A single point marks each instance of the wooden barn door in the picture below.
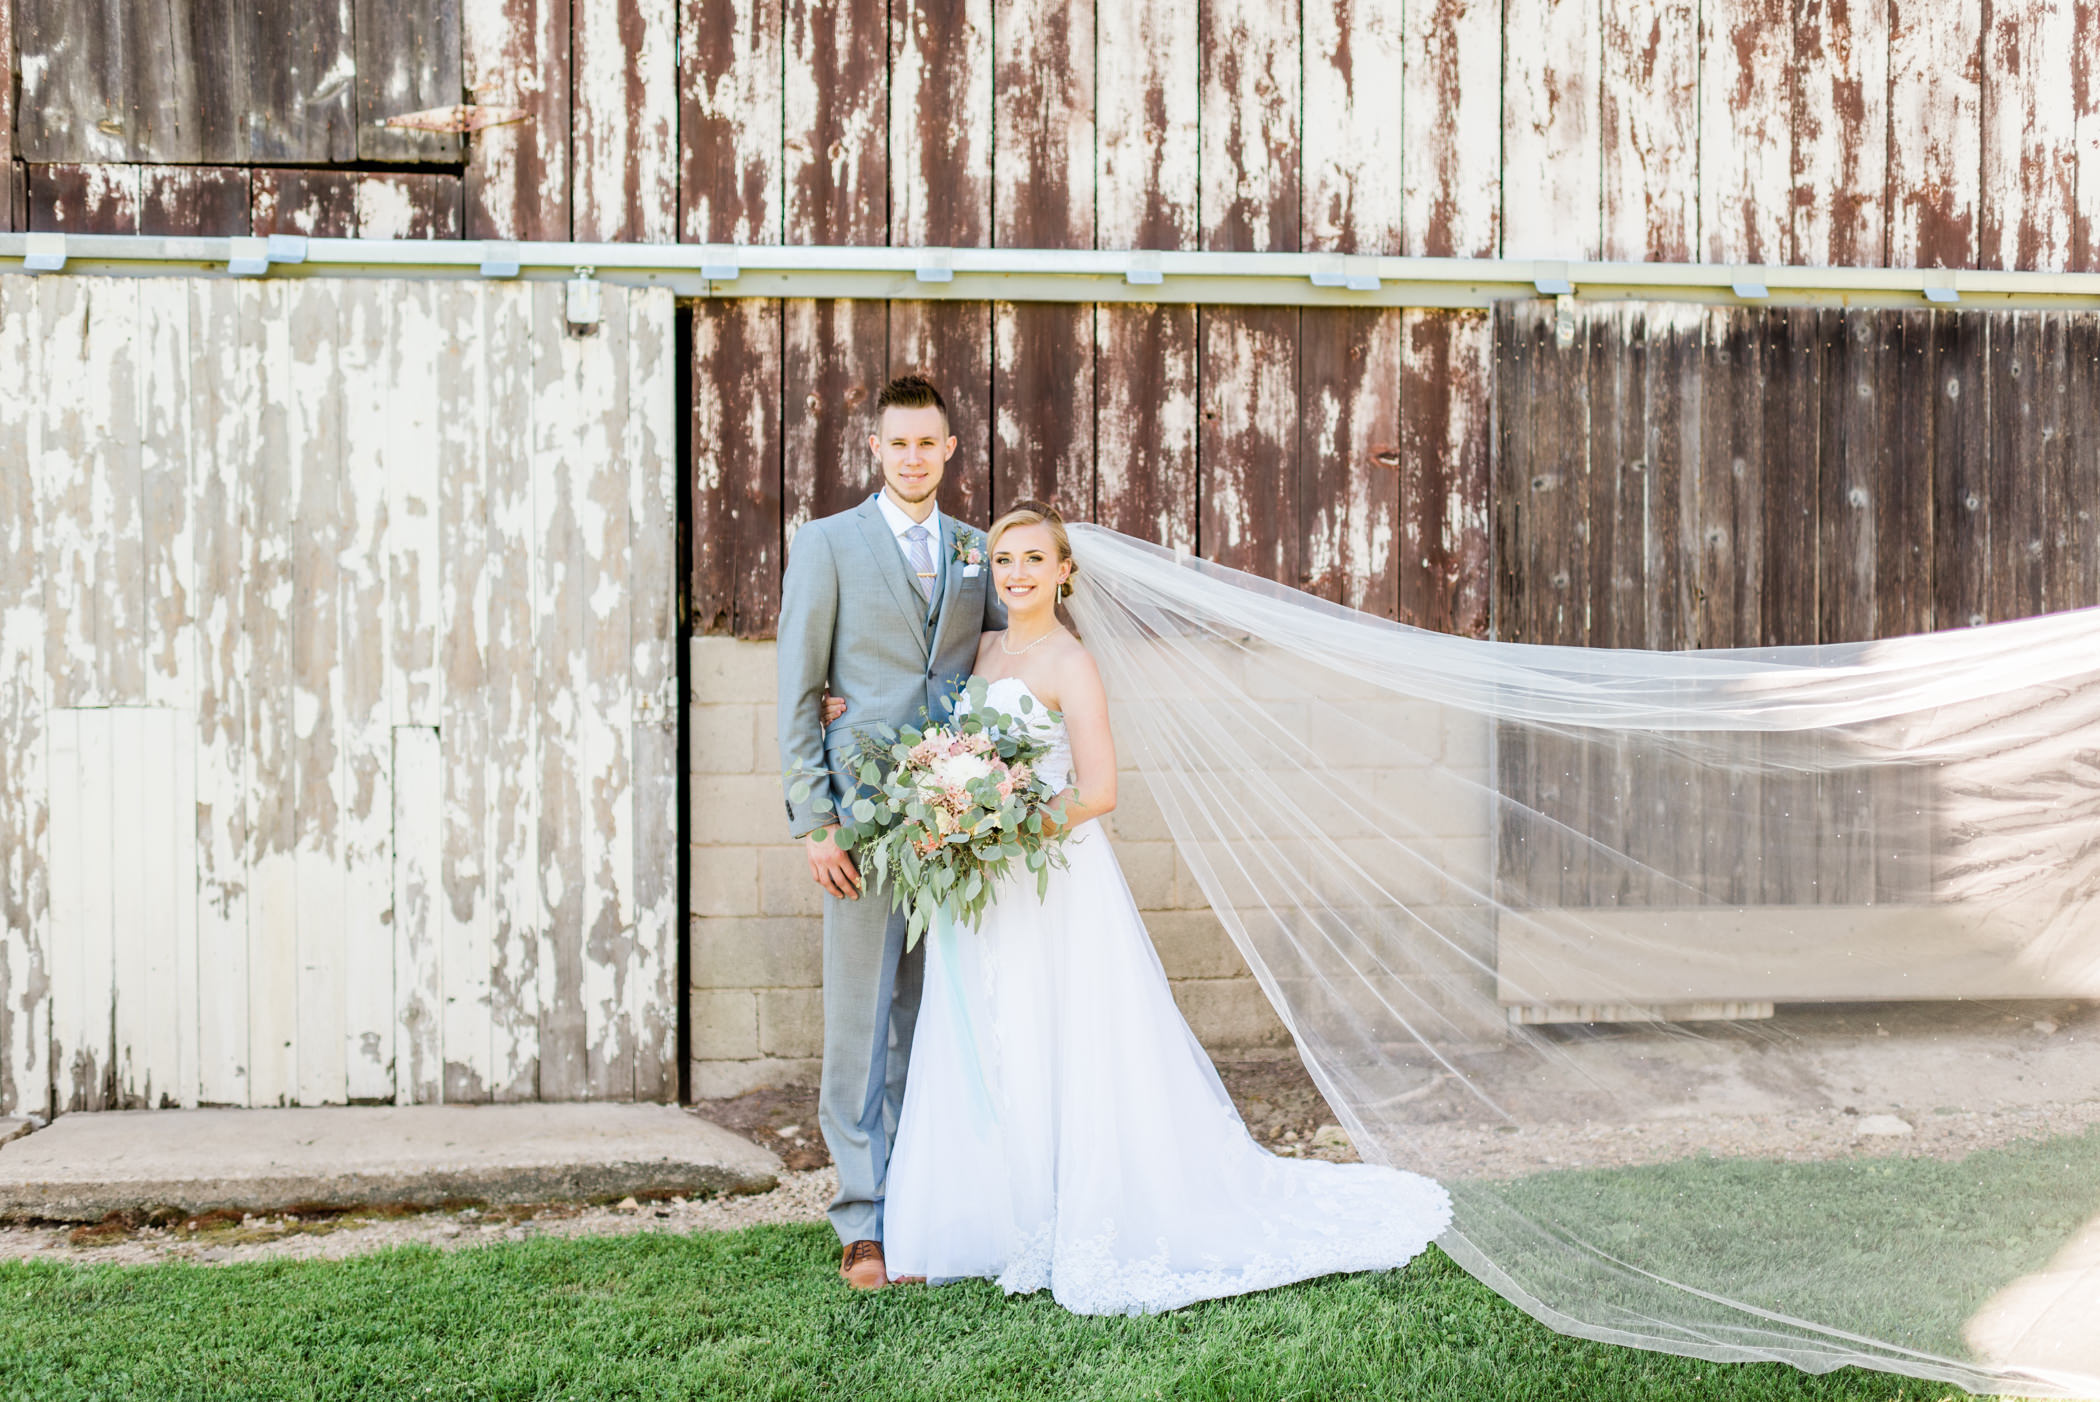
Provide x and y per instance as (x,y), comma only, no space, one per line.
(1721,477)
(337,694)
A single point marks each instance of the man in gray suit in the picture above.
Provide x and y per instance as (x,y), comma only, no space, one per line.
(885,604)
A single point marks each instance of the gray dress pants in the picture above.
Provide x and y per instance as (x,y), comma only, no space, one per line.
(871,1003)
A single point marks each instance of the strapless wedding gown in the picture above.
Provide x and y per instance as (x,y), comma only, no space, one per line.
(1063,1130)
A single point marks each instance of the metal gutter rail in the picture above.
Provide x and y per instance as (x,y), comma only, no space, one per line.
(1047,275)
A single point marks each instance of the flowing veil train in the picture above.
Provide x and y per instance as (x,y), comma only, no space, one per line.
(1747,1002)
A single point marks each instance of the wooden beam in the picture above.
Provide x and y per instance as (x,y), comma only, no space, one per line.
(516,53)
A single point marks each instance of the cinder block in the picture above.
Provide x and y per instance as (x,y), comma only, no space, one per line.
(1408,869)
(721,739)
(1465,742)
(1137,817)
(1229,1014)
(1392,733)
(1188,892)
(791,1022)
(725,1023)
(724,880)
(1149,869)
(1437,801)
(785,886)
(738,810)
(716,1080)
(758,953)
(765,737)
(733,669)
(1193,944)
(1466,864)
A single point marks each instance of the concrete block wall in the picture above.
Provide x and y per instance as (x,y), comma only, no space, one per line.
(757,1013)
(757,924)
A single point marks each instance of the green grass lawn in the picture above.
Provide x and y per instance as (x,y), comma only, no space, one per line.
(761,1314)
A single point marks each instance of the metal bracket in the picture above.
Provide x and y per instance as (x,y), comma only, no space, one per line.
(247,257)
(1551,279)
(1352,272)
(936,265)
(44,253)
(499,260)
(585,306)
(1748,283)
(1143,270)
(1564,320)
(1940,287)
(252,257)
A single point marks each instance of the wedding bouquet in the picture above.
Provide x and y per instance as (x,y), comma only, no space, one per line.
(944,812)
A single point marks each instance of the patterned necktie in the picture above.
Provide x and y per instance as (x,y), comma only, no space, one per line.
(922,560)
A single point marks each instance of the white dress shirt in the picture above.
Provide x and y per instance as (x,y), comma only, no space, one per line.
(899,523)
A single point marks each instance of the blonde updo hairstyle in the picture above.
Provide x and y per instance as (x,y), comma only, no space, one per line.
(1036,513)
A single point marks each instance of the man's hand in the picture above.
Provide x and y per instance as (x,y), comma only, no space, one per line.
(831,866)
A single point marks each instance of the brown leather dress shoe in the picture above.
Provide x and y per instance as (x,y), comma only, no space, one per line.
(862,1267)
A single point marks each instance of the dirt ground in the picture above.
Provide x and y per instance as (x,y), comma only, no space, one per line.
(1283,1110)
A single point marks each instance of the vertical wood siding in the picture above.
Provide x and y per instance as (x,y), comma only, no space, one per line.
(336,627)
(515,53)
(1722,477)
(1944,131)
(1808,476)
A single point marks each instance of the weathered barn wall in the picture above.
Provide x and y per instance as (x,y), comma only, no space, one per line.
(337,687)
(1683,477)
(1949,132)
(1686,477)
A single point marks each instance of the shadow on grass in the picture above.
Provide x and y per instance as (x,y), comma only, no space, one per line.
(761,1314)
(1903,1250)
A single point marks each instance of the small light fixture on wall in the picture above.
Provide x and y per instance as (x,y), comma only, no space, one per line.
(585,303)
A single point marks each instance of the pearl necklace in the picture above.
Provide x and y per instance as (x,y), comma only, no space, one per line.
(1012,652)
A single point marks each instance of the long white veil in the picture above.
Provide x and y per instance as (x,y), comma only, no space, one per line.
(1745,1000)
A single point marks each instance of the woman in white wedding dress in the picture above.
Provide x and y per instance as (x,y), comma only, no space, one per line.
(1062,1129)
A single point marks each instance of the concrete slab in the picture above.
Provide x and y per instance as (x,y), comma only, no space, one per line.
(85,1166)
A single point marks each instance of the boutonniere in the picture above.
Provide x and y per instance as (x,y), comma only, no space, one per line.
(968,549)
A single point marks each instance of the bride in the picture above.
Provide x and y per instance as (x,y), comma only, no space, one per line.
(1061,1128)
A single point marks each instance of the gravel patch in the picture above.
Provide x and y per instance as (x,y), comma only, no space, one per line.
(217,1240)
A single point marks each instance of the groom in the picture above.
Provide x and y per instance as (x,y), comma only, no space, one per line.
(884,602)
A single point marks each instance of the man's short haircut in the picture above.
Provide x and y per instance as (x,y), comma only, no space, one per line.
(909,392)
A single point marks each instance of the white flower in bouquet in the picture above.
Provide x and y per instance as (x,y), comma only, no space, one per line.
(943,813)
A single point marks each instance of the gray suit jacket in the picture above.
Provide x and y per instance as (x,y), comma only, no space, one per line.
(851,614)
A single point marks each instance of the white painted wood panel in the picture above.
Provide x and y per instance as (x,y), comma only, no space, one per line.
(510,678)
(223,412)
(650,449)
(311,589)
(419,785)
(269,788)
(1552,176)
(365,328)
(25,1080)
(168,482)
(598,477)
(314,464)
(131,877)
(462,370)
